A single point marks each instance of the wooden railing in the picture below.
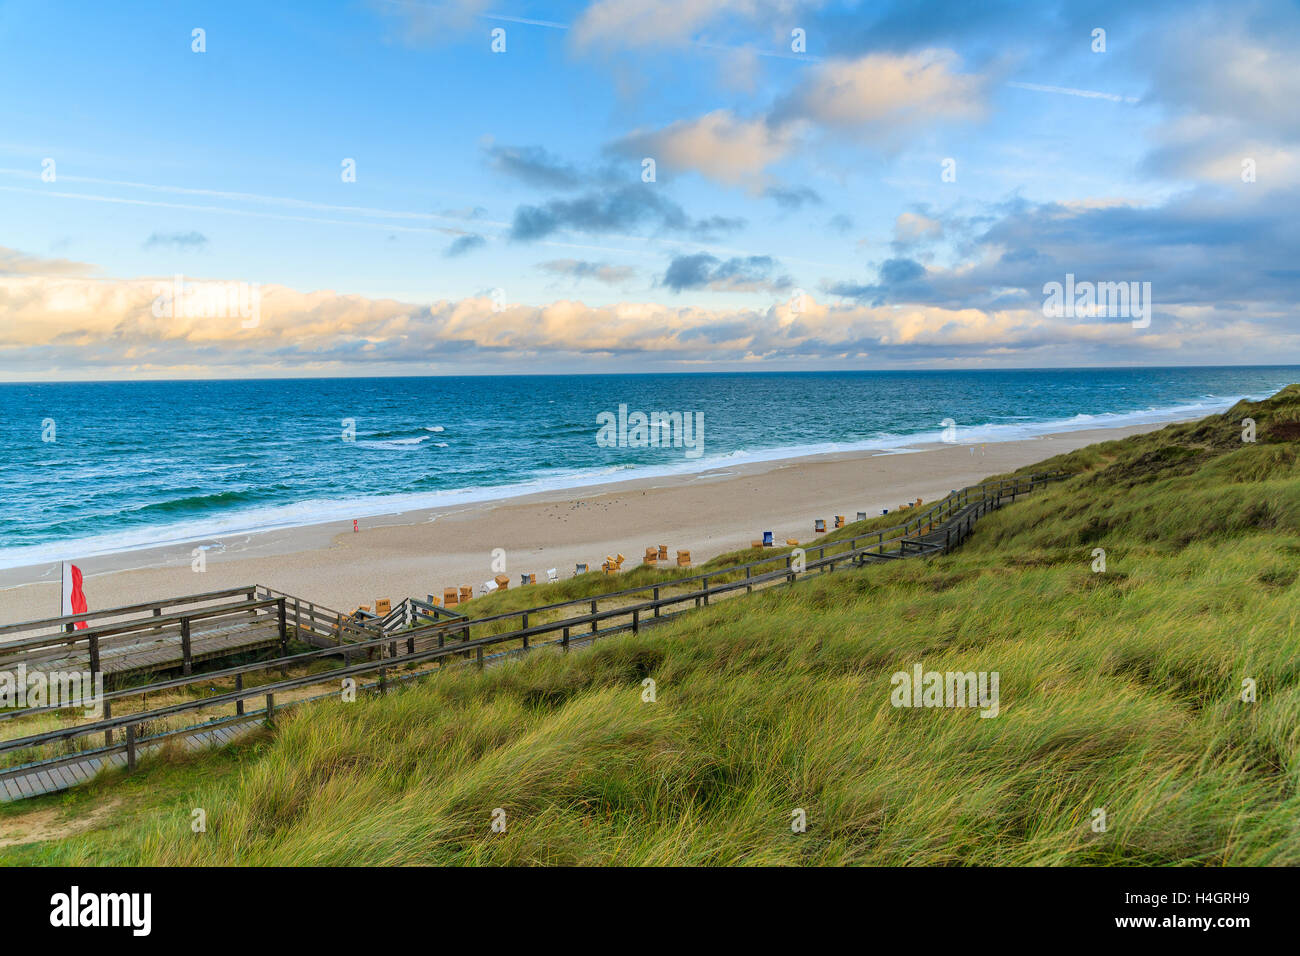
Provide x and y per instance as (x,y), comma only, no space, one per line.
(451,639)
(67,622)
(411,611)
(95,641)
(319,625)
(40,642)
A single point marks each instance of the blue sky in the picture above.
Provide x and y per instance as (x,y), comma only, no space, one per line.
(499,219)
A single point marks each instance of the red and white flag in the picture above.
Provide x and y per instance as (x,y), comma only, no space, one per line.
(74,599)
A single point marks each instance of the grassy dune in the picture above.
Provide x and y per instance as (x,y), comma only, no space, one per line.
(1119,690)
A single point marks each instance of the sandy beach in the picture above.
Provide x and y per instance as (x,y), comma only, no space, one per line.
(421,552)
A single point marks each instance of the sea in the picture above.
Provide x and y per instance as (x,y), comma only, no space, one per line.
(95,468)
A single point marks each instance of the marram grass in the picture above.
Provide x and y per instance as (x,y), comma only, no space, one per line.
(1120,691)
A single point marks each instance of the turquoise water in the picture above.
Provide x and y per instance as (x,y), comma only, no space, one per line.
(144,463)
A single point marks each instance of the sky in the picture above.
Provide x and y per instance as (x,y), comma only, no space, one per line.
(382,187)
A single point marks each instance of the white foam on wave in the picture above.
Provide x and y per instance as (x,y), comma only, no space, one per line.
(394,442)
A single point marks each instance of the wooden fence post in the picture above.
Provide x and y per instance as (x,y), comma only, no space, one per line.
(270,708)
(239,704)
(130,746)
(108,715)
(94,655)
(187,654)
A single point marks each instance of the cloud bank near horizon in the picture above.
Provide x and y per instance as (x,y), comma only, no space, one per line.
(110,328)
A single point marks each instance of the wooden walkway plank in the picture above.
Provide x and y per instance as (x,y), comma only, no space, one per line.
(156,652)
(38,780)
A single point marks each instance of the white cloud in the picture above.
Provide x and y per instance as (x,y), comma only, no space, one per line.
(880,98)
(15,263)
(643,23)
(719,145)
(1233,97)
(912,228)
(879,94)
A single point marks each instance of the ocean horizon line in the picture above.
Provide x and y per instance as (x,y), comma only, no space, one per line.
(692,373)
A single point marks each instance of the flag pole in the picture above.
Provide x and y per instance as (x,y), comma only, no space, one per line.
(65,594)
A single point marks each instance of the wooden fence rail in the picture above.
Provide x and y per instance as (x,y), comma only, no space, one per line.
(154,607)
(66,623)
(320,625)
(94,642)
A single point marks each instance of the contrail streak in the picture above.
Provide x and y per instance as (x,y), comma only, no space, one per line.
(1069,91)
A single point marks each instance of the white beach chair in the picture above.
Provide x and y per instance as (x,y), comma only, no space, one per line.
(487,587)
(552,575)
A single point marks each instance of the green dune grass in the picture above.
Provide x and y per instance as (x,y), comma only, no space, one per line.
(1119,691)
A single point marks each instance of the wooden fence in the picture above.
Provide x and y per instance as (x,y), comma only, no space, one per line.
(132,645)
(131,611)
(318,625)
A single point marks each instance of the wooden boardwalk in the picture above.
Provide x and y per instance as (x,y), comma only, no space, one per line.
(172,633)
(20,783)
(164,651)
